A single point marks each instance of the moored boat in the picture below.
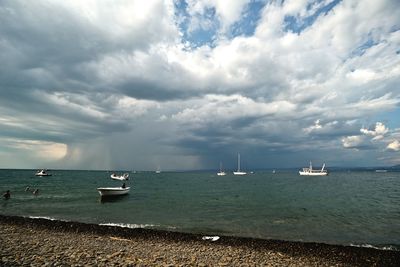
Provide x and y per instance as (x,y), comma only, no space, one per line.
(221,172)
(123,177)
(42,172)
(113,191)
(239,172)
(314,172)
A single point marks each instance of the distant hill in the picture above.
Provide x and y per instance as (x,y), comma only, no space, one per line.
(397,167)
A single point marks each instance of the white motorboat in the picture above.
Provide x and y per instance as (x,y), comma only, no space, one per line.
(312,172)
(221,172)
(239,172)
(42,172)
(113,191)
(123,177)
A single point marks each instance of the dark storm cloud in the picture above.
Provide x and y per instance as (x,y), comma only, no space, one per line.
(142,89)
(113,80)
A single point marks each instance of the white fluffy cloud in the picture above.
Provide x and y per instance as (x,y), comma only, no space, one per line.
(378,137)
(377,133)
(394,146)
(354,141)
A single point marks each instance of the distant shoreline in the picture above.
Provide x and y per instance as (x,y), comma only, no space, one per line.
(321,253)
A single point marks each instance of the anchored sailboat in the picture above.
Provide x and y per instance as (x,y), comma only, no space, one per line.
(239,172)
(221,172)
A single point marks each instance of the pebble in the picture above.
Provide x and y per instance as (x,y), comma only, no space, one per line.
(57,246)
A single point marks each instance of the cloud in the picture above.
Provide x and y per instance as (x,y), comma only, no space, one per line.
(394,146)
(379,138)
(377,133)
(307,74)
(356,142)
(226,13)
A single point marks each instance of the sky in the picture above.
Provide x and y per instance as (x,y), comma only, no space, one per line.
(185,85)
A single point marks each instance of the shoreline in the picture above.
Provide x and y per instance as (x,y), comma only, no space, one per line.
(231,250)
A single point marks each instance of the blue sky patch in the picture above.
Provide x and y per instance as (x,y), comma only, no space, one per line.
(207,35)
(297,25)
(248,22)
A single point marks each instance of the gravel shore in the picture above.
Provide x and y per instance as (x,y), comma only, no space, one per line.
(40,242)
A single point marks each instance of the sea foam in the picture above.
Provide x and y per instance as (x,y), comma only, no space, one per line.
(43,217)
(387,247)
(130,225)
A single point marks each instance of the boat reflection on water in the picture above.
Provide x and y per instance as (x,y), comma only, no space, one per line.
(105,199)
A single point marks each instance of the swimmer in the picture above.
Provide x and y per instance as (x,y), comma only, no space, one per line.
(7,194)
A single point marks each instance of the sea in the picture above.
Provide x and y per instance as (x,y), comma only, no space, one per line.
(356,208)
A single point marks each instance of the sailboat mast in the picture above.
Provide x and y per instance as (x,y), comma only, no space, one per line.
(238,162)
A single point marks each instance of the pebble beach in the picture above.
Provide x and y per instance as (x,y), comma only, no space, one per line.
(40,242)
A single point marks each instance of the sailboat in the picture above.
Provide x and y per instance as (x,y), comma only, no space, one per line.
(221,172)
(158,170)
(238,172)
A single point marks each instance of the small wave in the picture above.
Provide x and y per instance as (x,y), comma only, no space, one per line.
(388,247)
(129,225)
(43,217)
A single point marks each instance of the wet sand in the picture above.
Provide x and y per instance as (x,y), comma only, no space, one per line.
(40,242)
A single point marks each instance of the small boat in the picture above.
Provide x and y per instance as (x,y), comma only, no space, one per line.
(210,238)
(113,191)
(123,177)
(42,172)
(158,170)
(383,170)
(311,172)
(239,172)
(221,172)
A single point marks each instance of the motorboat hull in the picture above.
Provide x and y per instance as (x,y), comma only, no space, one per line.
(42,173)
(113,191)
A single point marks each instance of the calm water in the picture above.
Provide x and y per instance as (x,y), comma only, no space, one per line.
(359,208)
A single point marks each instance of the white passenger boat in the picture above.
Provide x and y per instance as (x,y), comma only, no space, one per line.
(42,172)
(314,172)
(123,177)
(113,191)
(239,172)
